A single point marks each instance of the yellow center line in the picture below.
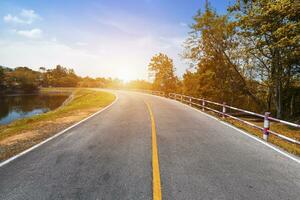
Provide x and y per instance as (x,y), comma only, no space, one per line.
(155,164)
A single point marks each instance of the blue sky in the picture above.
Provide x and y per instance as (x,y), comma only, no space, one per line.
(96,37)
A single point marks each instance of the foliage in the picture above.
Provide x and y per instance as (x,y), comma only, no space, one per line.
(2,76)
(139,84)
(270,30)
(60,77)
(114,83)
(92,83)
(162,67)
(211,47)
(24,79)
(20,78)
(251,53)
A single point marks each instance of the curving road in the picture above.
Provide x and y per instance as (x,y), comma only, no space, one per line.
(109,157)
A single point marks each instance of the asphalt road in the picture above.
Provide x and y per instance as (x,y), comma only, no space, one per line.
(109,157)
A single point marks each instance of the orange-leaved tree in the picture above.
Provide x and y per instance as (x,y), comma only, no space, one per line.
(163,69)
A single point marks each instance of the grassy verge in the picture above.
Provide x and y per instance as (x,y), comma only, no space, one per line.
(24,133)
(277,127)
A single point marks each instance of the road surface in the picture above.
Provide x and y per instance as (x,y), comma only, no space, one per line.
(110,157)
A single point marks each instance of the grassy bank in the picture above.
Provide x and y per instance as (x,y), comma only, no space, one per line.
(22,134)
(277,127)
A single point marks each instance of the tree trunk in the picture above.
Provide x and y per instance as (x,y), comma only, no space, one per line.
(269,100)
(278,99)
(292,106)
(277,75)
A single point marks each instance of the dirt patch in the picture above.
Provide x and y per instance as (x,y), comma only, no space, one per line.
(16,138)
(19,142)
(24,133)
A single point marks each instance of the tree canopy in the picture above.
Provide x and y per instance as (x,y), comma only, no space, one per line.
(250,54)
(270,32)
(162,67)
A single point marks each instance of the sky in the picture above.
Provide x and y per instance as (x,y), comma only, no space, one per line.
(97,38)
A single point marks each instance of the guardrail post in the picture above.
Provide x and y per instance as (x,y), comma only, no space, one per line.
(203,104)
(266,126)
(181,99)
(190,101)
(224,110)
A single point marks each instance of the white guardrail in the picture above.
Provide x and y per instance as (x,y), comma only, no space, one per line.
(157,93)
(204,105)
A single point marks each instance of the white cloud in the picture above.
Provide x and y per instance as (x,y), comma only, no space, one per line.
(29,14)
(24,17)
(32,34)
(121,48)
(108,57)
(81,43)
(14,19)
(54,39)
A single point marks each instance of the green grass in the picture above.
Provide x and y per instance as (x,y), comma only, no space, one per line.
(80,104)
(274,126)
(277,127)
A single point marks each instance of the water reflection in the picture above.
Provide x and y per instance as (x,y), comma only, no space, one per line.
(21,106)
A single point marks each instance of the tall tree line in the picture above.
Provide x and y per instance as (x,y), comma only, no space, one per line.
(248,57)
(26,80)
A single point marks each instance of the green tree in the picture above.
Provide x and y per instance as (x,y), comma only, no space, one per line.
(212,48)
(139,84)
(61,77)
(270,30)
(2,75)
(90,82)
(23,78)
(162,67)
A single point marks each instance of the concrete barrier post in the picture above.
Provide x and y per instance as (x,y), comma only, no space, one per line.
(224,110)
(266,126)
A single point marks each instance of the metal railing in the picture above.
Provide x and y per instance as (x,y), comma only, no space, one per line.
(205,105)
(157,93)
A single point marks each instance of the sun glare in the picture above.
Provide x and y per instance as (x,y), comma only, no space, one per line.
(126,75)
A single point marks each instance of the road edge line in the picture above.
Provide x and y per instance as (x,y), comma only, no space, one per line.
(156,182)
(5,162)
(275,148)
